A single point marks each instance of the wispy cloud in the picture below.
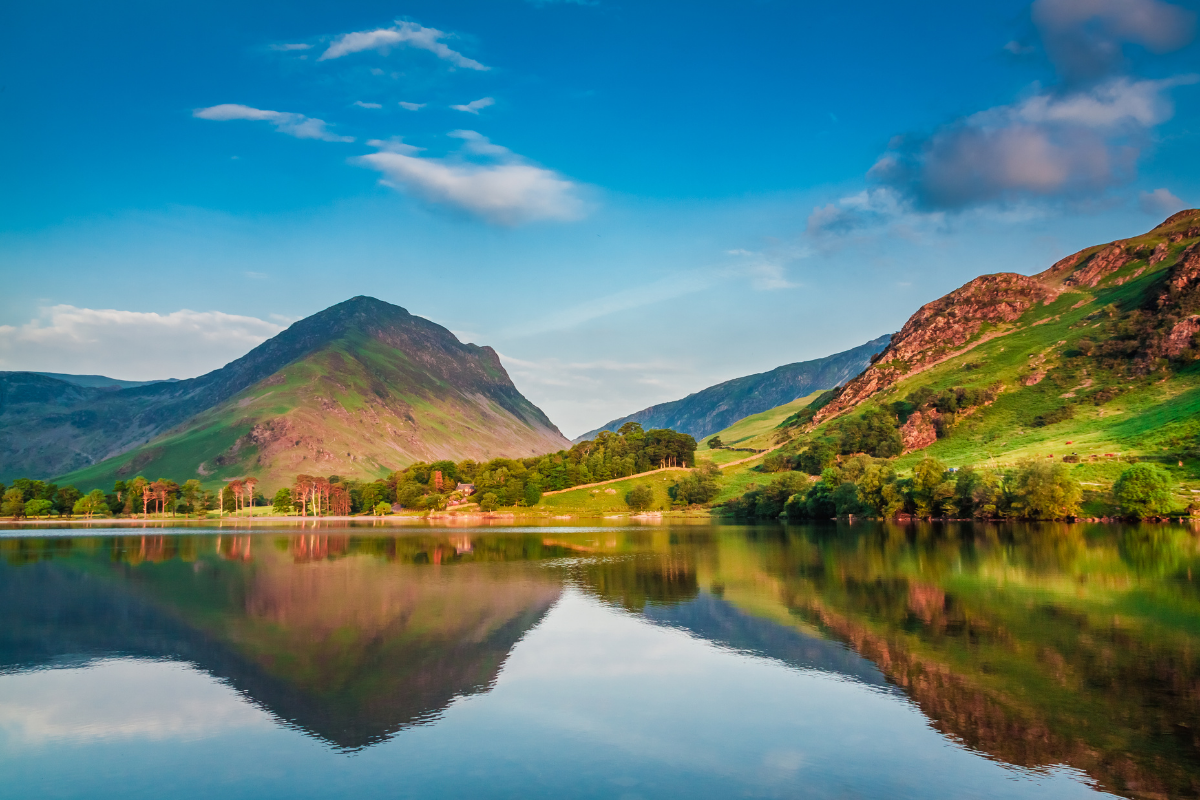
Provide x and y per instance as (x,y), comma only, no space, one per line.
(285,48)
(474,106)
(179,344)
(297,125)
(361,104)
(1160,202)
(412,106)
(507,190)
(408,34)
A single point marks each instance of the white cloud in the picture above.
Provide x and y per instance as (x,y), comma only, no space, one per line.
(412,106)
(361,104)
(1117,103)
(479,144)
(510,192)
(396,144)
(404,33)
(88,341)
(1160,202)
(297,125)
(290,47)
(474,106)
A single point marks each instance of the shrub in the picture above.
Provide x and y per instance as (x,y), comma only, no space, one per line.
(1060,414)
(639,497)
(776,462)
(1144,490)
(815,458)
(699,486)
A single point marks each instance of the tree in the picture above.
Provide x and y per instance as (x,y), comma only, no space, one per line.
(1144,490)
(14,503)
(191,493)
(382,509)
(815,458)
(640,497)
(94,502)
(715,443)
(1041,490)
(699,486)
(64,500)
(931,490)
(283,501)
(38,507)
(489,502)
(533,494)
(776,462)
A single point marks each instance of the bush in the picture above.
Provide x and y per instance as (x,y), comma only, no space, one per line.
(815,458)
(489,502)
(776,462)
(699,486)
(640,497)
(1144,490)
(1060,414)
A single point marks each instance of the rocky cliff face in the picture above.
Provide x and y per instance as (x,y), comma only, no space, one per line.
(1164,327)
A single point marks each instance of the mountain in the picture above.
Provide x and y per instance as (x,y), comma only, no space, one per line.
(356,390)
(712,409)
(97,381)
(1097,353)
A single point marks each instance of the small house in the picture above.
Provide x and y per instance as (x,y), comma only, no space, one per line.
(467,489)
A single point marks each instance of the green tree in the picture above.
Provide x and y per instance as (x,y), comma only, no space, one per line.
(532,494)
(1042,490)
(489,502)
(94,502)
(715,443)
(815,458)
(931,490)
(38,508)
(191,492)
(14,503)
(282,503)
(640,497)
(776,462)
(1144,490)
(382,509)
(64,499)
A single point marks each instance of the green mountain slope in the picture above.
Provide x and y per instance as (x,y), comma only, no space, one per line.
(1096,355)
(709,410)
(356,390)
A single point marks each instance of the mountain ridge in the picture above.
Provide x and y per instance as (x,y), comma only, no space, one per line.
(52,427)
(716,407)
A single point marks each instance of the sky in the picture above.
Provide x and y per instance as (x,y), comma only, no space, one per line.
(628,201)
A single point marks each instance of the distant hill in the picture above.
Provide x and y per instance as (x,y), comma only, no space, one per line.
(98,381)
(1096,355)
(355,390)
(717,407)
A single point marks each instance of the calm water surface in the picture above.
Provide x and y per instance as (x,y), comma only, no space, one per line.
(687,661)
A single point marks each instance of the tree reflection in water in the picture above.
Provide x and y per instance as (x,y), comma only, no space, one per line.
(1036,645)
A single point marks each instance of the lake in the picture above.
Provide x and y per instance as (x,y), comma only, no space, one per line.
(664,660)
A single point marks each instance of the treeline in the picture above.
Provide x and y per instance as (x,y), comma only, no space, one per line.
(1032,490)
(422,486)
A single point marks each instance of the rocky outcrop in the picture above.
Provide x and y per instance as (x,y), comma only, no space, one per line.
(919,431)
(1099,266)
(940,329)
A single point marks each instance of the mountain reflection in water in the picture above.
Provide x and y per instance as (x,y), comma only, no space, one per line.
(1035,646)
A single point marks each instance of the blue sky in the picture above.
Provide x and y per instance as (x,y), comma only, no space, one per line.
(629,201)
